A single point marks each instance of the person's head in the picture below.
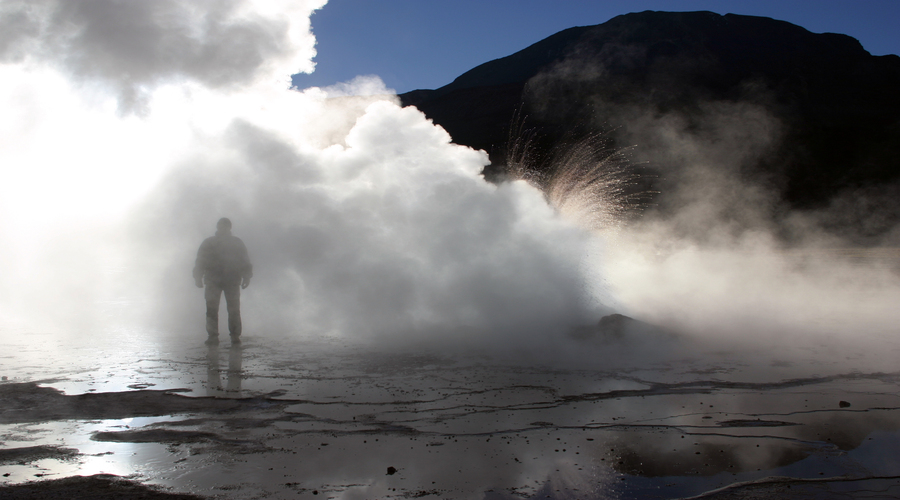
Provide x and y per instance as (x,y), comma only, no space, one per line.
(223,224)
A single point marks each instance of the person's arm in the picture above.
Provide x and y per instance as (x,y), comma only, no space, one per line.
(200,265)
(246,268)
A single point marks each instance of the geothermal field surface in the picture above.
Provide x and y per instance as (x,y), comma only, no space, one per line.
(334,418)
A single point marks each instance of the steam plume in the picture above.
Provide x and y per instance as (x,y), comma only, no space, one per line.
(362,218)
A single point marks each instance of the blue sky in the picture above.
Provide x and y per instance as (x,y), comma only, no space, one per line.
(414,44)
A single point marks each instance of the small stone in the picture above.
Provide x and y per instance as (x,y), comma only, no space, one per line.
(844,404)
(391,471)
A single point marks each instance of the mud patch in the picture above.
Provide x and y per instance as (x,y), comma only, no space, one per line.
(29,454)
(97,487)
(30,402)
(755,423)
(825,488)
(155,436)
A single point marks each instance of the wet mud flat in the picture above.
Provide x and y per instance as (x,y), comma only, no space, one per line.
(326,418)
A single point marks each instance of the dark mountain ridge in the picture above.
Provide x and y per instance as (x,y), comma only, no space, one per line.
(832,109)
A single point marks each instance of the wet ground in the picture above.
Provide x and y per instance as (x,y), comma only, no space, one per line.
(329,418)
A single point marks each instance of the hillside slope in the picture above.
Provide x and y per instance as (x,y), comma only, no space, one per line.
(809,117)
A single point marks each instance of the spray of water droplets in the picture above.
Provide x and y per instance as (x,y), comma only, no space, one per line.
(586,180)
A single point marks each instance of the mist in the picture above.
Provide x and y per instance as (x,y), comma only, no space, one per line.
(362,219)
(720,257)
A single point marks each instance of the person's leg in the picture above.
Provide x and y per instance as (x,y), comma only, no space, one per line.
(233,303)
(213,295)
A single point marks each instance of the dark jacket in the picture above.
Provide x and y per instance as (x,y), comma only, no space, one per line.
(223,260)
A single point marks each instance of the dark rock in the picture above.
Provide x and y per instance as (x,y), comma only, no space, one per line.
(614,325)
(844,404)
(391,471)
(621,328)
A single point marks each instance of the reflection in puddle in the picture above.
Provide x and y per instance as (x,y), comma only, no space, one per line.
(233,374)
(281,418)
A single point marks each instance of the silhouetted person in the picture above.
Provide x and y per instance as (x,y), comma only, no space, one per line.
(224,266)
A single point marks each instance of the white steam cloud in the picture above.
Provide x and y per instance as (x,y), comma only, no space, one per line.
(393,233)
(134,126)
(132,48)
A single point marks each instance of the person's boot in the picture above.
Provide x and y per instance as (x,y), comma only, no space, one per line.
(212,340)
(235,339)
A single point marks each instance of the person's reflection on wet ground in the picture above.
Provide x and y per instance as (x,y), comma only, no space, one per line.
(233,375)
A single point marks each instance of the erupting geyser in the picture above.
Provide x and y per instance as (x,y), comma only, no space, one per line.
(362,218)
